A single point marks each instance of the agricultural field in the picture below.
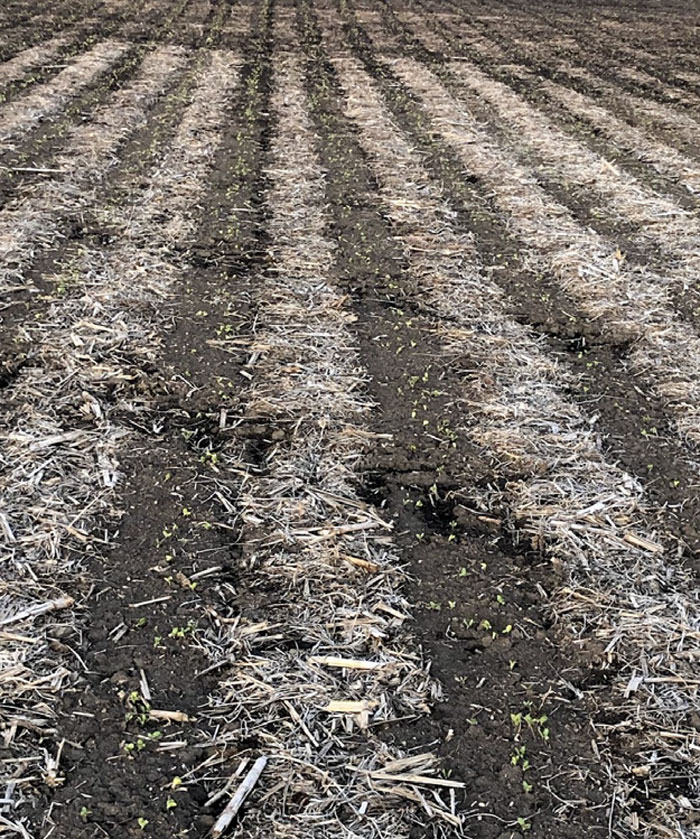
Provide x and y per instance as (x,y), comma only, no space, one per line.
(350,419)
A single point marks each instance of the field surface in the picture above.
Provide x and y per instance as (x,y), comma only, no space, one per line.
(350,419)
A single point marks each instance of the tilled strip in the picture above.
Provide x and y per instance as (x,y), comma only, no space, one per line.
(675,125)
(430,39)
(21,114)
(31,223)
(24,164)
(476,595)
(16,67)
(325,654)
(657,220)
(65,428)
(666,160)
(612,55)
(586,513)
(630,304)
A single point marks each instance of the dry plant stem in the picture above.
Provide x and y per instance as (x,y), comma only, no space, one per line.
(630,303)
(60,427)
(30,223)
(659,220)
(624,589)
(17,67)
(238,798)
(300,514)
(21,114)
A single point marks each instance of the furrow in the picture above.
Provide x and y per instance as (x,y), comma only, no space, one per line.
(630,303)
(31,223)
(68,424)
(584,512)
(22,114)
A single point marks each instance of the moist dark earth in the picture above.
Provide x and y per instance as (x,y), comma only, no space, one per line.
(481,590)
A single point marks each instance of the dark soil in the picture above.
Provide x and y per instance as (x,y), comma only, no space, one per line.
(471,584)
(170,567)
(171,527)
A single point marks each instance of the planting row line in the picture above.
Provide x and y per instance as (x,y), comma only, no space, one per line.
(589,513)
(70,411)
(497,56)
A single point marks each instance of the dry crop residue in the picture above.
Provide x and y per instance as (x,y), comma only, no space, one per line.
(350,362)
